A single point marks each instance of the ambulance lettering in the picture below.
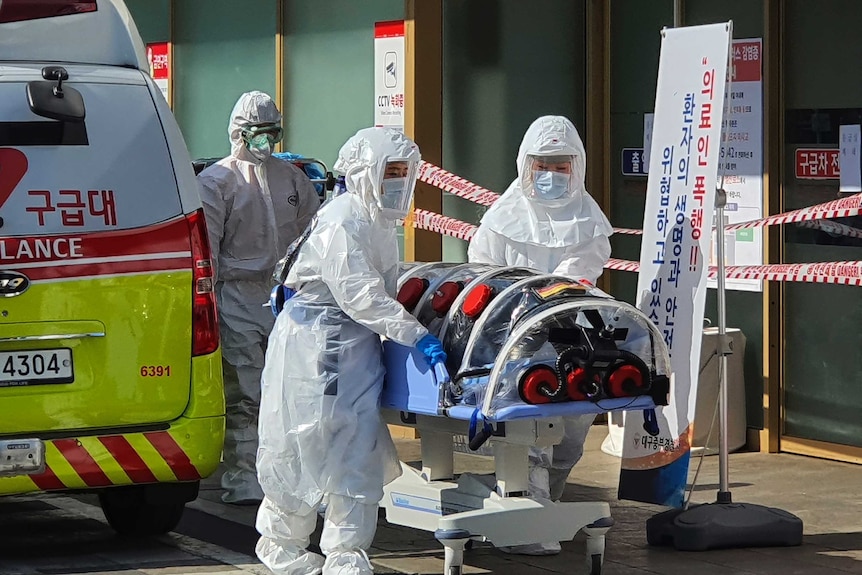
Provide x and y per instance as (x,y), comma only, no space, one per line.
(40,249)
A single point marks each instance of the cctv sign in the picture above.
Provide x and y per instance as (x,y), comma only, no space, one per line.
(389,74)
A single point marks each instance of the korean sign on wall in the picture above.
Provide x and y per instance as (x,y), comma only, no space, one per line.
(389,74)
(817,164)
(159,58)
(684,159)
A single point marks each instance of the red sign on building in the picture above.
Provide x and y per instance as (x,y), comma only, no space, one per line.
(747,61)
(157,55)
(817,164)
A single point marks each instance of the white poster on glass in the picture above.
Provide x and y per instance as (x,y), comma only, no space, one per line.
(742,163)
(849,165)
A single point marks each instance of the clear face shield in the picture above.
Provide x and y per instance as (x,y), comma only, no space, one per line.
(396,187)
(552,178)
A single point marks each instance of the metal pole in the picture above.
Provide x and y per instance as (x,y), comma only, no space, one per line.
(677,13)
(724,349)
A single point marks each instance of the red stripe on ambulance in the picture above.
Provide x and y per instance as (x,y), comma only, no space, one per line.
(82,462)
(47,480)
(174,455)
(132,463)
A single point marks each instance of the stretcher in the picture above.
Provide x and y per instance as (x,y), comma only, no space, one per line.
(524,350)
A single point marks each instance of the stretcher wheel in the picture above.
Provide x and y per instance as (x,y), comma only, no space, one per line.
(538,384)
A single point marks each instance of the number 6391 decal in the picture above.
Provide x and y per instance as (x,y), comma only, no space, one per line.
(155,371)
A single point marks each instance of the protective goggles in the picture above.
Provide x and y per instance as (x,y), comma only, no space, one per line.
(257,134)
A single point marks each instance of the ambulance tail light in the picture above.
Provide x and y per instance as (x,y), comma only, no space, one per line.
(205,334)
(23,10)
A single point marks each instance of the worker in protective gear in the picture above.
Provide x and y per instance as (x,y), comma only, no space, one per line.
(546,220)
(255,206)
(322,438)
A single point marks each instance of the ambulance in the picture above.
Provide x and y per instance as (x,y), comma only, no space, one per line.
(110,367)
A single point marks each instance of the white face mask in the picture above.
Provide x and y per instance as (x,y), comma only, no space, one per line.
(261,151)
(392,198)
(550,185)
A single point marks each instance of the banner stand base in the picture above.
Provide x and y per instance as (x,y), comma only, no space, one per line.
(724,525)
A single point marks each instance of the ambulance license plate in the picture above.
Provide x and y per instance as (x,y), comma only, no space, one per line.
(21,457)
(34,367)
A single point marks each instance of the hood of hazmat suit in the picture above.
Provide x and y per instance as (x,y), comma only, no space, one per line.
(559,227)
(548,221)
(321,433)
(254,209)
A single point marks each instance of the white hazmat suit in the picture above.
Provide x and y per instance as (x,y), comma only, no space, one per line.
(321,434)
(566,235)
(255,206)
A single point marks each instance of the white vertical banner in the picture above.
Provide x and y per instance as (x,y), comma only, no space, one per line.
(389,74)
(684,157)
(742,163)
(849,165)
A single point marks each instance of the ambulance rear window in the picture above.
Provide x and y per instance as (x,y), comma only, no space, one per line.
(43,134)
(23,10)
(113,171)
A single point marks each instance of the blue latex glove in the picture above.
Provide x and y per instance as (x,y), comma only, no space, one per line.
(432,349)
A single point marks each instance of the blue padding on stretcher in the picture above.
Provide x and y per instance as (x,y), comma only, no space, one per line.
(412,386)
(526,411)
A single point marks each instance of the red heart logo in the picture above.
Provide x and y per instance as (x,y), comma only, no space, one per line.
(13,166)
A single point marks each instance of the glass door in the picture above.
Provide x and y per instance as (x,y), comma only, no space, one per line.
(822,387)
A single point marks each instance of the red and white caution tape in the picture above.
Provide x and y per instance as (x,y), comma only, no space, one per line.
(845,273)
(833,228)
(841,208)
(440,178)
(425,220)
(622,265)
(456,185)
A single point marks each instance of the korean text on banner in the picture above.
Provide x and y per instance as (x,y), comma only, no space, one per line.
(684,158)
(389,74)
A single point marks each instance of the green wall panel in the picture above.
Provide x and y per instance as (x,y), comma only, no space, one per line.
(153,19)
(635,45)
(522,65)
(747,15)
(822,366)
(329,71)
(221,49)
(823,46)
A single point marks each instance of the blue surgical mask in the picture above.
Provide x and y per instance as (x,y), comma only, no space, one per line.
(550,185)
